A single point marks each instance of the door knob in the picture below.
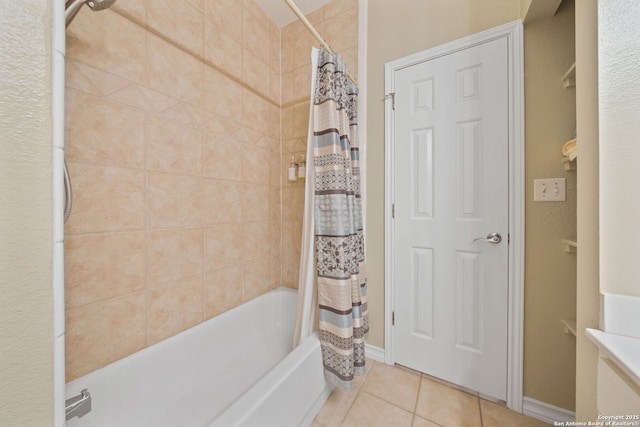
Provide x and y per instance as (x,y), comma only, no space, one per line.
(491,238)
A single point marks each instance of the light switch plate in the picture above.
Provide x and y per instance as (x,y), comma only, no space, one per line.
(549,190)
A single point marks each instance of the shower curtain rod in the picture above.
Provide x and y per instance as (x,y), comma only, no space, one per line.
(294,8)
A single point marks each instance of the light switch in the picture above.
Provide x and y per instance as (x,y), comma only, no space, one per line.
(549,190)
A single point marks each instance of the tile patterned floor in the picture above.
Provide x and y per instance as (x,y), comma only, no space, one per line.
(393,396)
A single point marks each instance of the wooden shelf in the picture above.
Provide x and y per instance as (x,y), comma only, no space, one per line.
(570,245)
(569,327)
(569,165)
(569,78)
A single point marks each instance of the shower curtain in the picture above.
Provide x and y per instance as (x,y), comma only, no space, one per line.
(336,222)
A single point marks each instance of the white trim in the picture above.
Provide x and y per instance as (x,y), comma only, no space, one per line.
(58,49)
(374,353)
(514,33)
(545,412)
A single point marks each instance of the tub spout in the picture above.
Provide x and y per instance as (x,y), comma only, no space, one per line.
(78,406)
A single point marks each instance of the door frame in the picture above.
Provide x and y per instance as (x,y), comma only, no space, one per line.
(513,31)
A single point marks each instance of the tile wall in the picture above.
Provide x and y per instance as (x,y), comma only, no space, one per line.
(174,146)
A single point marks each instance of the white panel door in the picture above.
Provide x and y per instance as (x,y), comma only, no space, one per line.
(451,170)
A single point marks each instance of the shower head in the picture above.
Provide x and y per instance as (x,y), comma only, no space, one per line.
(73,6)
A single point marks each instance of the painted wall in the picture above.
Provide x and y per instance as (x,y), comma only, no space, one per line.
(619,148)
(550,272)
(26,310)
(619,99)
(588,296)
(397,29)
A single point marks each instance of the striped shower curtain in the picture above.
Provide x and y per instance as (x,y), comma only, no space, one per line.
(339,239)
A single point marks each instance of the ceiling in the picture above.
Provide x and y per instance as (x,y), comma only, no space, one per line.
(280,13)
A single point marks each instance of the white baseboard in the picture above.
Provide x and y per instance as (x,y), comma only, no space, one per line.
(545,412)
(374,353)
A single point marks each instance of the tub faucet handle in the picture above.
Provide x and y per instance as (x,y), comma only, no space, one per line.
(78,405)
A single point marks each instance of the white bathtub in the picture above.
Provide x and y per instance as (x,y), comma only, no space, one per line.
(234,370)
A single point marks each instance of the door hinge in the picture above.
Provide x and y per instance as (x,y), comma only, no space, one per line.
(393,210)
(508,238)
(393,318)
(391,95)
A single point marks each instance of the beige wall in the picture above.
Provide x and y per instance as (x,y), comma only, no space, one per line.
(26,310)
(175,149)
(588,301)
(397,29)
(550,273)
(619,148)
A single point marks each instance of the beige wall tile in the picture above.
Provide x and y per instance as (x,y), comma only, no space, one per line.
(338,7)
(256,37)
(291,241)
(175,200)
(174,148)
(224,51)
(103,132)
(174,255)
(276,270)
(223,290)
(255,203)
(301,119)
(131,96)
(198,4)
(136,9)
(92,80)
(223,96)
(109,42)
(223,201)
(255,10)
(75,79)
(288,54)
(223,246)
(173,71)
(342,30)
(99,334)
(303,43)
(183,25)
(256,240)
(255,112)
(275,201)
(293,203)
(160,101)
(257,278)
(255,73)
(275,230)
(302,83)
(103,266)
(224,17)
(255,165)
(222,158)
(275,168)
(175,307)
(106,199)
